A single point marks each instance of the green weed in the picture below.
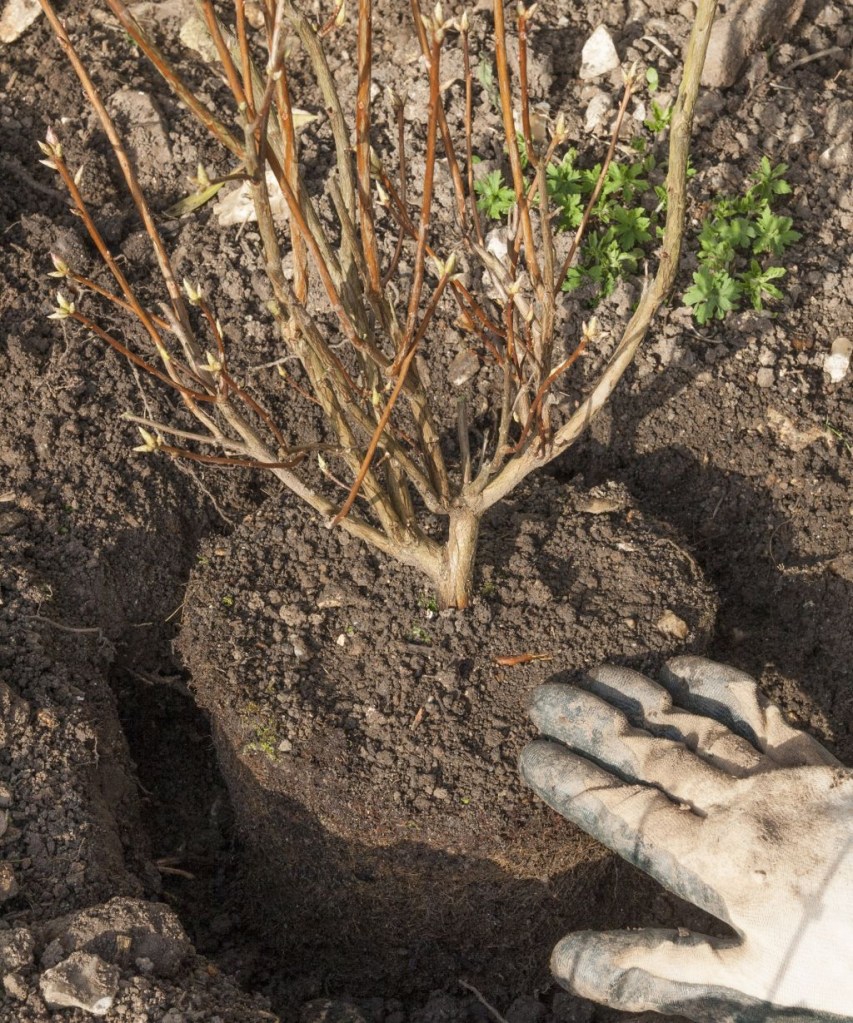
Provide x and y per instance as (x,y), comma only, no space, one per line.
(734,234)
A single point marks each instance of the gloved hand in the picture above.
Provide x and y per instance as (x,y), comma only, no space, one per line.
(701,783)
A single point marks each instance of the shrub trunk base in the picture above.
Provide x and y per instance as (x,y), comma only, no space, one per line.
(370,742)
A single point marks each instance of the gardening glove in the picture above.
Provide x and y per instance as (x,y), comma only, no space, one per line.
(699,782)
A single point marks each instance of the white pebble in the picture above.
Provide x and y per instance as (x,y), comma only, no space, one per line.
(598,55)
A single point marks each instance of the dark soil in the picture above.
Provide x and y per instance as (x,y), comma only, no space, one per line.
(371,742)
(734,492)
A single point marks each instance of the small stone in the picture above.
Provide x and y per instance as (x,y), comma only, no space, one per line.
(16,18)
(46,718)
(15,986)
(836,156)
(799,132)
(285,746)
(766,357)
(839,120)
(5,796)
(121,931)
(17,948)
(671,625)
(463,369)
(598,55)
(596,111)
(836,365)
(145,133)
(440,793)
(331,596)
(764,377)
(81,981)
(8,883)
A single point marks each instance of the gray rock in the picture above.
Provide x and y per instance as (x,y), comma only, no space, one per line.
(747,26)
(598,55)
(144,132)
(839,120)
(121,931)
(836,156)
(82,981)
(765,377)
(16,18)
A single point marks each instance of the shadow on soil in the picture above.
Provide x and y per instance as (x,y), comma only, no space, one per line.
(783,616)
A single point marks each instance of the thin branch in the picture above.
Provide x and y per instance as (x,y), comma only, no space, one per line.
(126,166)
(524,16)
(232,76)
(245,59)
(174,80)
(682,120)
(469,120)
(392,400)
(512,146)
(137,360)
(596,192)
(426,198)
(446,137)
(362,142)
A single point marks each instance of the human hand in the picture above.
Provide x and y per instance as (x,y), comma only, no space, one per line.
(701,783)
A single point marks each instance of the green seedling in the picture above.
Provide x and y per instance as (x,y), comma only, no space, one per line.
(736,232)
(659,119)
(756,283)
(494,197)
(713,295)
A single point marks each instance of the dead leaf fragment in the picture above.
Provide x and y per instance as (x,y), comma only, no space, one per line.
(191,203)
(599,505)
(525,658)
(790,436)
(238,208)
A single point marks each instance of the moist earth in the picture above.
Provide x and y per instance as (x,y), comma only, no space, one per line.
(726,452)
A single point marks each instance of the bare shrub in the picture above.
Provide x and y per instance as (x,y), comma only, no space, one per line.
(397,444)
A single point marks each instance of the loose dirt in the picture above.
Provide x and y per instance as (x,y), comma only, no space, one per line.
(726,447)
